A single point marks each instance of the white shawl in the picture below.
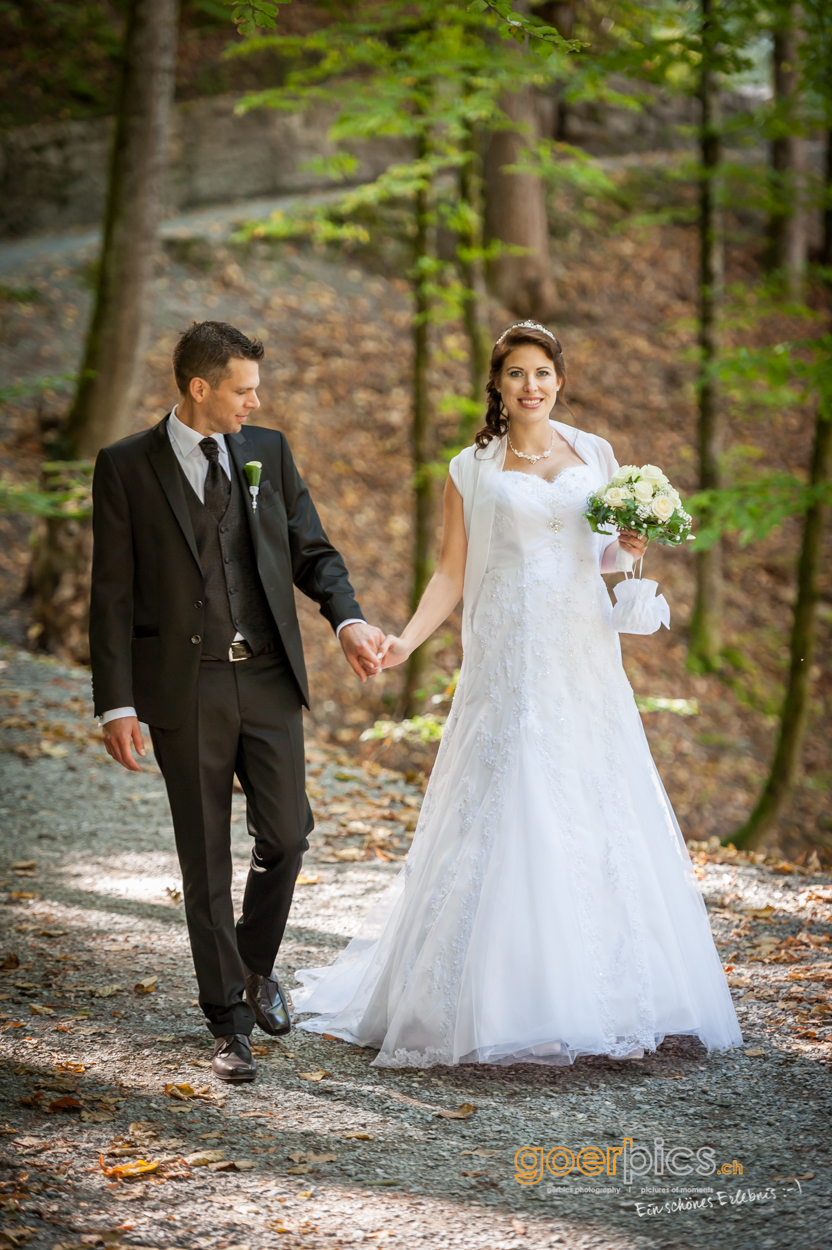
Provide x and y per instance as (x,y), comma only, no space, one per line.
(475,474)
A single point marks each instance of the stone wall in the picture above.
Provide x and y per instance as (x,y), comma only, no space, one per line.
(54,176)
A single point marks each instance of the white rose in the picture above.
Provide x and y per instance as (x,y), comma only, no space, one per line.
(615,497)
(652,473)
(663,508)
(675,497)
(643,492)
(624,474)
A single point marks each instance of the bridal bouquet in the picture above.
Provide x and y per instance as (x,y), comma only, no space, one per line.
(642,500)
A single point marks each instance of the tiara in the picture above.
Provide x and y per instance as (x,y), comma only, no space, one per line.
(525,325)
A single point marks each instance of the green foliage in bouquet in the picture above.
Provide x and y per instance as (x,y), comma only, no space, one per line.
(643,500)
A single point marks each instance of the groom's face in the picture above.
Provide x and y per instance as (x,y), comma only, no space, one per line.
(225,407)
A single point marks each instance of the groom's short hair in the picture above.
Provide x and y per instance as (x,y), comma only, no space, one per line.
(205,349)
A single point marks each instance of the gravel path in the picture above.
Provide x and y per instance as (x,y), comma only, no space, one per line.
(98,1015)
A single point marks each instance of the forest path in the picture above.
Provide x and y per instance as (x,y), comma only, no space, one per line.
(324,1149)
(215,223)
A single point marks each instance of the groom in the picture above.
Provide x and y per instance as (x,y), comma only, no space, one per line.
(193,630)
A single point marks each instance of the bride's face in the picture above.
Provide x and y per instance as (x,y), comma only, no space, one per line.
(528,385)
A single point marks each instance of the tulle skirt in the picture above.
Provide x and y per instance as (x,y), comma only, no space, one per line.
(548,907)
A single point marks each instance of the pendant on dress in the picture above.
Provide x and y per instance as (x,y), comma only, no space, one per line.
(555,525)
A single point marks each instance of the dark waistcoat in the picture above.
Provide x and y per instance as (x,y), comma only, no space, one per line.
(234,596)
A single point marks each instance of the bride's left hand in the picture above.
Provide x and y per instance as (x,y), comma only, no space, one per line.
(634,544)
(393,651)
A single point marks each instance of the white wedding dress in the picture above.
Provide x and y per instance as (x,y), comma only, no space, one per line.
(548,907)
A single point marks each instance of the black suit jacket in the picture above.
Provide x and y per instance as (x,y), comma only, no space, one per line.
(146,608)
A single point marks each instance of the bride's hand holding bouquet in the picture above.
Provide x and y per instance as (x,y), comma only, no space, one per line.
(641,504)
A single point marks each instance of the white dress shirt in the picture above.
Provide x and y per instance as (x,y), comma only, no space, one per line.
(185,443)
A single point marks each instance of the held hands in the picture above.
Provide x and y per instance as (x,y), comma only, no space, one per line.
(393,651)
(119,736)
(361,644)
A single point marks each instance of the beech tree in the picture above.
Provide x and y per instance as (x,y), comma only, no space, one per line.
(119,330)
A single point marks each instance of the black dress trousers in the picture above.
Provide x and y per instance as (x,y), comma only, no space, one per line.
(246,718)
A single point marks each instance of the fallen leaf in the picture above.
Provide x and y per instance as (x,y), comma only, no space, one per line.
(309,1156)
(96,1117)
(201,1158)
(224,1165)
(132,1194)
(245,1165)
(313,1076)
(463,1111)
(358,1136)
(67,1103)
(180,1092)
(307,881)
(142,1130)
(519,1227)
(349,853)
(25,865)
(107,991)
(10,962)
(147,986)
(738,981)
(260,1050)
(54,749)
(37,1010)
(756,1052)
(125,1171)
(52,933)
(300,1170)
(760,913)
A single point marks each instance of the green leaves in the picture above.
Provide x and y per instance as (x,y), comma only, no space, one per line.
(249,15)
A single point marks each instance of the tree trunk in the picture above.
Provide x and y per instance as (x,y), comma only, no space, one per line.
(826,254)
(59,581)
(420,431)
(120,328)
(786,763)
(706,622)
(515,214)
(470,267)
(787,223)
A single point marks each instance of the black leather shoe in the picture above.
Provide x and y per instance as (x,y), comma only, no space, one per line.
(233,1060)
(271,1010)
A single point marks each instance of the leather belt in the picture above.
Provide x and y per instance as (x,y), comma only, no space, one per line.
(241,650)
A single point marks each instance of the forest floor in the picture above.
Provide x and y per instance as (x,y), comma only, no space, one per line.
(104,1060)
(335,379)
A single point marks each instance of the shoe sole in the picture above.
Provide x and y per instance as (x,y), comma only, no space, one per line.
(248,1077)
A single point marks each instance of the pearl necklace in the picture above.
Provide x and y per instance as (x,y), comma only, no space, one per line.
(544,455)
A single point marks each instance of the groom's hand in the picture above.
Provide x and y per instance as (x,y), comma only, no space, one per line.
(362,643)
(120,735)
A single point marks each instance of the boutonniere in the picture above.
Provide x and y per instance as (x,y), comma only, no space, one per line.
(252,471)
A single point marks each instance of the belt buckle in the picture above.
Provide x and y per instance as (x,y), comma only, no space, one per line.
(239,650)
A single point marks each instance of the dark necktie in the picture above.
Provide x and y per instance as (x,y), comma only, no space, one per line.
(217,485)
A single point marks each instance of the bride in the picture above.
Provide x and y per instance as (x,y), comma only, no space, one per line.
(547,908)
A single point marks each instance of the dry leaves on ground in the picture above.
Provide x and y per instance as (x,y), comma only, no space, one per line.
(463,1111)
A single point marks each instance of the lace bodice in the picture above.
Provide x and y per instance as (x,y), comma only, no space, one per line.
(534,518)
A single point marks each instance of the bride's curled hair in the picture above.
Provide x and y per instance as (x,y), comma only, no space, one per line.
(521,334)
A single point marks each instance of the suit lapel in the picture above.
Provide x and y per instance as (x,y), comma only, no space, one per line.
(237,449)
(163,459)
